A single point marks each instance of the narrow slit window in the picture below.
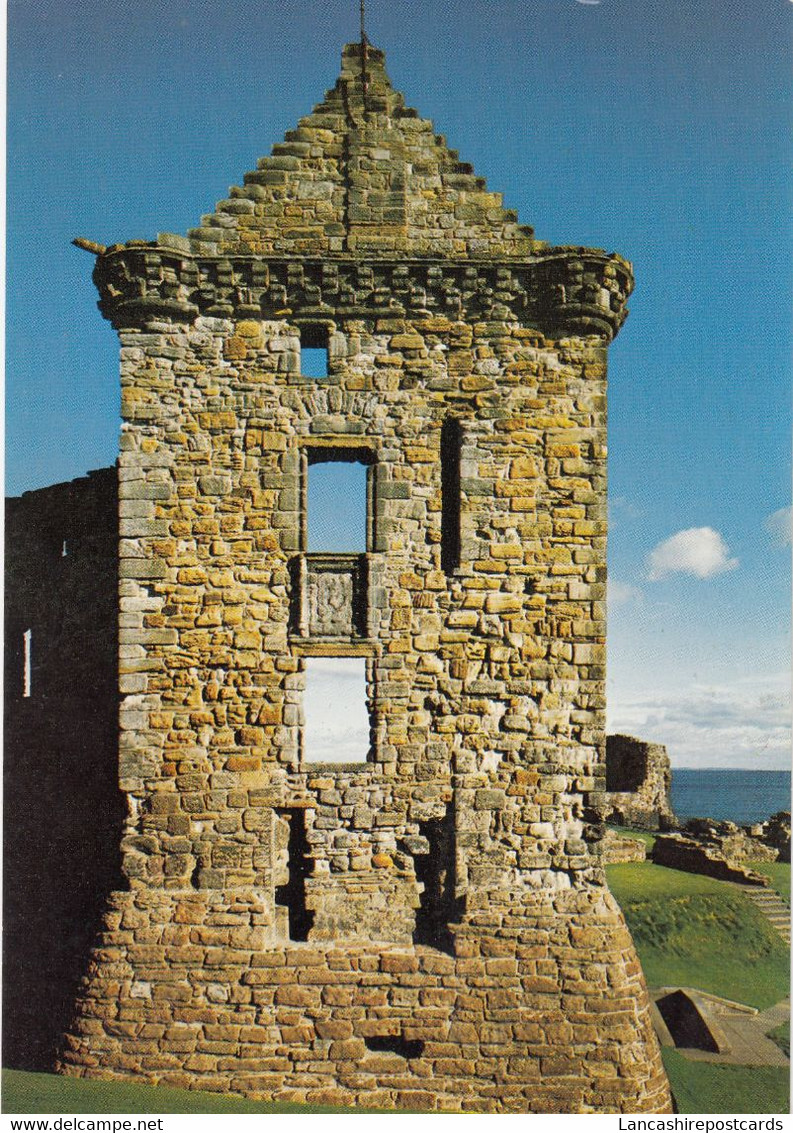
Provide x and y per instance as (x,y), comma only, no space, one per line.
(314,352)
(336,711)
(451,444)
(293,866)
(27,662)
(337,507)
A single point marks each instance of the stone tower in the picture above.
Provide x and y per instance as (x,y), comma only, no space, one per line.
(428,927)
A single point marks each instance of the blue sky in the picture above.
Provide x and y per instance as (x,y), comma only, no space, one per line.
(656,129)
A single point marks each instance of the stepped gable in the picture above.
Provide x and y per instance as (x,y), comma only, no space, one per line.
(362,173)
(363,209)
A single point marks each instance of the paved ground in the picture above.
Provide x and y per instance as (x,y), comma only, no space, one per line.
(742,1032)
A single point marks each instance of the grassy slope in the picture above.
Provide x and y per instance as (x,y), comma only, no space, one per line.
(697,932)
(707,1087)
(49,1093)
(781,1036)
(778,874)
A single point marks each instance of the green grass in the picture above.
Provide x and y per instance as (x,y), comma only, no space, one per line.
(781,1036)
(646,836)
(24,1092)
(778,874)
(712,1087)
(697,932)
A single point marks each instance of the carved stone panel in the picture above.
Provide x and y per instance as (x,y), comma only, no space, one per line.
(330,611)
(332,596)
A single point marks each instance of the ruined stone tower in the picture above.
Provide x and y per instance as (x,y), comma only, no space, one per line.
(428,927)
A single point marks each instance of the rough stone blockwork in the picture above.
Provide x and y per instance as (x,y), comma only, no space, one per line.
(429,928)
(542,1009)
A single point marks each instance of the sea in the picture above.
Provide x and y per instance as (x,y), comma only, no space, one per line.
(738,796)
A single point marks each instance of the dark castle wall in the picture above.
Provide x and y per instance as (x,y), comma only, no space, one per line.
(63,808)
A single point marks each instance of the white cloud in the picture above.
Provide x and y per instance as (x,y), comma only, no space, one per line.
(745,724)
(780,524)
(621,509)
(698,551)
(621,593)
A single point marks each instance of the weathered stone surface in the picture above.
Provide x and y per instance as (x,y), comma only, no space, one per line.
(616,849)
(775,834)
(62,804)
(451,1037)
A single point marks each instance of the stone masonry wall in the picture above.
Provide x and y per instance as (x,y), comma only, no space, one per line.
(677,851)
(492,678)
(429,928)
(389,184)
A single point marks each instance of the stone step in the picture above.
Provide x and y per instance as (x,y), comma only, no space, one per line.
(773,907)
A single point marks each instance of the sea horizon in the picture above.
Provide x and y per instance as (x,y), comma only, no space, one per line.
(734,794)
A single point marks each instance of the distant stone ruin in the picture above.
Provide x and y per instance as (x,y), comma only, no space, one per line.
(776,833)
(696,856)
(734,843)
(616,849)
(638,784)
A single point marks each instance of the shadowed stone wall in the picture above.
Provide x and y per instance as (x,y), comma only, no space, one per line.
(430,928)
(62,804)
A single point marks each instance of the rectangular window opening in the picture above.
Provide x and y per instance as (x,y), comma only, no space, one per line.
(336,711)
(27,639)
(314,352)
(337,507)
(451,541)
(292,867)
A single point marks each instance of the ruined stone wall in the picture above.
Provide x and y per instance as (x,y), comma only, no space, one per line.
(677,851)
(638,783)
(62,804)
(542,1009)
(617,849)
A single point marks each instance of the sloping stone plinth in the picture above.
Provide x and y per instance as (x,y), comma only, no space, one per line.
(542,1009)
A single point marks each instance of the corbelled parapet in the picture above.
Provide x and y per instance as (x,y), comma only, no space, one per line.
(561,292)
(427,925)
